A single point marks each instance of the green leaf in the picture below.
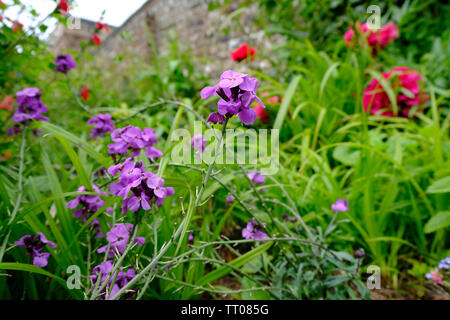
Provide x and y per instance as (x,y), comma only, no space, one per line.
(440,186)
(289,94)
(236,263)
(30,268)
(81,171)
(439,221)
(347,155)
(51,128)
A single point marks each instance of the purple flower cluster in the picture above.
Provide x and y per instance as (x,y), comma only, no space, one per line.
(64,62)
(30,107)
(134,139)
(257,178)
(340,205)
(105,269)
(288,218)
(118,238)
(253,230)
(229,200)
(444,263)
(237,92)
(145,186)
(87,206)
(34,245)
(198,142)
(102,124)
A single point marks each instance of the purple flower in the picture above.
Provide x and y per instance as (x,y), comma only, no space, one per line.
(257,178)
(191,238)
(229,200)
(253,230)
(88,205)
(134,139)
(118,238)
(444,263)
(237,92)
(64,62)
(145,187)
(288,218)
(340,205)
(34,245)
(102,124)
(216,118)
(231,79)
(30,107)
(101,273)
(198,142)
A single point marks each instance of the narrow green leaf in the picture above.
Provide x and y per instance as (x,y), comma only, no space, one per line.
(439,221)
(440,186)
(237,263)
(289,94)
(81,171)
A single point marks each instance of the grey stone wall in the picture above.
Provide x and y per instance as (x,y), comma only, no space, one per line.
(196,28)
(211,36)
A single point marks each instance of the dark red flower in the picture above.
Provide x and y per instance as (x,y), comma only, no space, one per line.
(63,6)
(96,40)
(6,103)
(84,93)
(243,52)
(102,26)
(17,26)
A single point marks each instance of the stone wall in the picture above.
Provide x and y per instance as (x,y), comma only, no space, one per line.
(207,34)
(69,38)
(196,29)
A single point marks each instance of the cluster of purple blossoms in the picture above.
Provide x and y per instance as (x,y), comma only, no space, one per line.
(134,139)
(229,200)
(64,62)
(34,245)
(30,107)
(340,205)
(198,143)
(444,263)
(145,186)
(105,269)
(253,230)
(286,217)
(256,178)
(87,206)
(237,92)
(118,238)
(102,124)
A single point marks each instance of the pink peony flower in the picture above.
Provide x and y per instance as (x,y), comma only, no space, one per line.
(375,38)
(261,113)
(435,276)
(377,101)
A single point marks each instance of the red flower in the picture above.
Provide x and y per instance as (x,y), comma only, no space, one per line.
(96,40)
(17,26)
(63,6)
(102,26)
(84,93)
(6,156)
(6,103)
(243,52)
